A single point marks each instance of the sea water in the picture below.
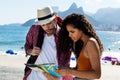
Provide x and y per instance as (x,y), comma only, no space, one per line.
(13,37)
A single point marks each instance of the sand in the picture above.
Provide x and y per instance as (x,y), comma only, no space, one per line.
(110,72)
(12,68)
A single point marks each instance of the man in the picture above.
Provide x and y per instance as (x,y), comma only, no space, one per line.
(41,42)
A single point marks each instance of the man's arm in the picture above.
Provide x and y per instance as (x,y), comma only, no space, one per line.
(31,40)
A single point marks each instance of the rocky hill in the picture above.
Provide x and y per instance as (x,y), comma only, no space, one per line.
(104,19)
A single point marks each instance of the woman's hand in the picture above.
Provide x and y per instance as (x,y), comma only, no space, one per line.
(65,73)
(61,71)
(50,77)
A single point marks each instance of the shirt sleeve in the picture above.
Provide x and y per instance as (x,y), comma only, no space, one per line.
(28,42)
(31,37)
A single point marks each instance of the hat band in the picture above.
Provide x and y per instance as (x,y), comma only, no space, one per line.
(46,17)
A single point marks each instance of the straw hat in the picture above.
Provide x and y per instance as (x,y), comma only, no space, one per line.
(45,15)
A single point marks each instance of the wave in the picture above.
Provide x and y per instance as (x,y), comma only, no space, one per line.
(11,42)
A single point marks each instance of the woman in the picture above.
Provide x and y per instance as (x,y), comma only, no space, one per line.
(77,34)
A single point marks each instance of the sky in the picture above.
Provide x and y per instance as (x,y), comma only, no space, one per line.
(19,11)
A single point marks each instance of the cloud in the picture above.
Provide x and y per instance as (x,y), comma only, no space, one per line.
(94,5)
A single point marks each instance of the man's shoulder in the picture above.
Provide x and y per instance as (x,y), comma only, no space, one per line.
(35,26)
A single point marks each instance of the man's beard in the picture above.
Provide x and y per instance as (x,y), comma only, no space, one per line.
(51,31)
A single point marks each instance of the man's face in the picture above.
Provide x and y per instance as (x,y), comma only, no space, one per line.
(49,28)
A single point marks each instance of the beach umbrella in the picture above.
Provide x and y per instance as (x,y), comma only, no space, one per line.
(114,60)
(108,58)
(10,52)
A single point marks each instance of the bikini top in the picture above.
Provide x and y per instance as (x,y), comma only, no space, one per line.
(83,62)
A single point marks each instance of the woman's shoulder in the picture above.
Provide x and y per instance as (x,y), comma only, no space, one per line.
(92,41)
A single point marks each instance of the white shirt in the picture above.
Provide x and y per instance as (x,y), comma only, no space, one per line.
(47,55)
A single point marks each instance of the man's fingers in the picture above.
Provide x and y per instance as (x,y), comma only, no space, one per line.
(36,48)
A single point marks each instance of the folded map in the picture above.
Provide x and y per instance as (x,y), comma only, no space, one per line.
(49,68)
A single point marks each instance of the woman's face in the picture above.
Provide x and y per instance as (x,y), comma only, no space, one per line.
(74,33)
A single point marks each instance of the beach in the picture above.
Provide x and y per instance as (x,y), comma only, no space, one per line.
(12,68)
(110,72)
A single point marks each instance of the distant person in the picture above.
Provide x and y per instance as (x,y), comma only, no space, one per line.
(41,42)
(77,34)
(109,49)
(22,47)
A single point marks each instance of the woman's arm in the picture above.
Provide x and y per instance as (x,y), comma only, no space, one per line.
(92,50)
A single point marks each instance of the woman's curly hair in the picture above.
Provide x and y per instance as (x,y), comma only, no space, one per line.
(80,22)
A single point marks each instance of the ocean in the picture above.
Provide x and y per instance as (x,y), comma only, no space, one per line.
(13,38)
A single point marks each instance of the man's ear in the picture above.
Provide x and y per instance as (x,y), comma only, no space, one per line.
(55,21)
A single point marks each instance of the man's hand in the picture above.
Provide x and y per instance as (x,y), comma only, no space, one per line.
(34,52)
